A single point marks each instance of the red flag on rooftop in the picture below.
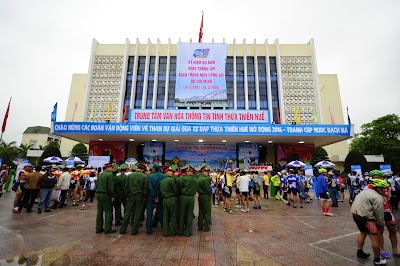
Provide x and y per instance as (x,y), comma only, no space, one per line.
(3,128)
(201,27)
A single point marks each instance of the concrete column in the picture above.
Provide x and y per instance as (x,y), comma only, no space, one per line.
(269,90)
(134,75)
(146,75)
(155,86)
(246,85)
(120,111)
(89,80)
(316,86)
(256,76)
(234,76)
(167,75)
(280,90)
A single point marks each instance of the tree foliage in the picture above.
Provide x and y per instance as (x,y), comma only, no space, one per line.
(80,150)
(381,136)
(355,158)
(8,152)
(52,149)
(23,150)
(319,154)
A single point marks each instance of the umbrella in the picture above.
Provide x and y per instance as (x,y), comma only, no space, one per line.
(74,160)
(131,161)
(325,164)
(53,159)
(296,164)
(20,160)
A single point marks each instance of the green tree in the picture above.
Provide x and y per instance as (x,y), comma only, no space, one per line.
(80,150)
(8,152)
(52,149)
(23,150)
(355,158)
(319,154)
(381,136)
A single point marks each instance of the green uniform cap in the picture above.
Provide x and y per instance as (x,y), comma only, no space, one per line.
(134,167)
(115,167)
(124,166)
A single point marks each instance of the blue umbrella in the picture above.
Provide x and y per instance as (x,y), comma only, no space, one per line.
(53,159)
(296,164)
(325,164)
(74,160)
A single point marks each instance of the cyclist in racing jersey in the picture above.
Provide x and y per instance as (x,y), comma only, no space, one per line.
(341,188)
(390,222)
(294,187)
(353,180)
(284,186)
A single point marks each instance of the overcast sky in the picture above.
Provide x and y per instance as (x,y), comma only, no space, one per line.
(42,43)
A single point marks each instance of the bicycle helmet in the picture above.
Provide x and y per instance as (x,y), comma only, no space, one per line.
(366,174)
(375,182)
(388,173)
(375,172)
(322,170)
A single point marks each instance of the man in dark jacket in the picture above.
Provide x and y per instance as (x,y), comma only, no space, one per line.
(105,197)
(154,198)
(118,194)
(136,188)
(47,185)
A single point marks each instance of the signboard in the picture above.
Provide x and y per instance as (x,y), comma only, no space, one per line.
(195,154)
(216,115)
(153,152)
(385,167)
(248,155)
(200,73)
(98,161)
(356,168)
(246,129)
(308,170)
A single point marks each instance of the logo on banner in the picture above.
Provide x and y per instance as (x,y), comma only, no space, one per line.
(201,53)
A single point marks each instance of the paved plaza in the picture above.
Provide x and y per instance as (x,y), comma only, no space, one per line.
(275,235)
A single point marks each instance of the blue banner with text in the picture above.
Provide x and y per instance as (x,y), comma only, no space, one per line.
(201,128)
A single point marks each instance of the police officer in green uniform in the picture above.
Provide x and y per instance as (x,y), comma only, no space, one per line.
(136,188)
(123,167)
(204,190)
(187,184)
(118,195)
(105,197)
(169,192)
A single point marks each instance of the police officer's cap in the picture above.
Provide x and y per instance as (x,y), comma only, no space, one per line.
(124,166)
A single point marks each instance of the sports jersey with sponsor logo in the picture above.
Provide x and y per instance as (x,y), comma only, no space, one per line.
(293,181)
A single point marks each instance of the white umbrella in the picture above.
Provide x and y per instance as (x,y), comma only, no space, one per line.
(296,164)
(53,159)
(131,161)
(325,164)
(74,160)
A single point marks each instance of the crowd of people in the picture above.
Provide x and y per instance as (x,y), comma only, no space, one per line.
(154,194)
